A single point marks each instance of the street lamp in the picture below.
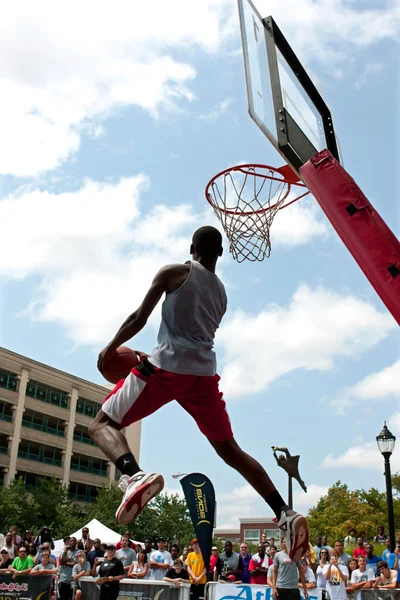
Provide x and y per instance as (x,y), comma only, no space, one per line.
(386,442)
(178,475)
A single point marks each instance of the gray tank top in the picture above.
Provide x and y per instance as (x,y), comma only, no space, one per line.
(190,317)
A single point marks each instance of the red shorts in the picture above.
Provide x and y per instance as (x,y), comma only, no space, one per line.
(147,388)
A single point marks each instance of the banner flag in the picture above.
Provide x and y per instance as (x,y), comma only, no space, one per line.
(200,497)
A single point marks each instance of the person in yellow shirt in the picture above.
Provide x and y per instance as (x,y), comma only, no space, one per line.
(197,571)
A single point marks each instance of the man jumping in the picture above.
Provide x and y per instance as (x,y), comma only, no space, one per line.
(183,368)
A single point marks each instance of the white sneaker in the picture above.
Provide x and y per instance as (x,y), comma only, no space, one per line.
(294,529)
(123,483)
(139,490)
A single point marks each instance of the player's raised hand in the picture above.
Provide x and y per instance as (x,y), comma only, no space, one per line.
(104,356)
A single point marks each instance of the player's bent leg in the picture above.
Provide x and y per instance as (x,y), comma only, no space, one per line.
(292,525)
(138,488)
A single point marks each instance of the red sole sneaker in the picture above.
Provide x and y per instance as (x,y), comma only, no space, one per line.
(299,535)
(130,508)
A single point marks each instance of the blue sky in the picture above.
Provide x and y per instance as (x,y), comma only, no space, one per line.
(112,124)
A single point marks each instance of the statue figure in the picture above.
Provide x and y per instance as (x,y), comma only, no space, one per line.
(289,463)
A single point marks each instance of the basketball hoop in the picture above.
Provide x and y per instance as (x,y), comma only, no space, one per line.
(246,199)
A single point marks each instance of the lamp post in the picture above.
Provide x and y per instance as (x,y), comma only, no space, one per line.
(386,442)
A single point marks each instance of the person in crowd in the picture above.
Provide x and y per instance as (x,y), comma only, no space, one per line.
(351,538)
(363,535)
(325,544)
(160,561)
(360,549)
(197,571)
(393,561)
(386,553)
(387,578)
(177,574)
(318,547)
(286,575)
(67,561)
(16,537)
(31,551)
(81,569)
(125,554)
(246,557)
(22,564)
(308,575)
(96,552)
(258,566)
(148,546)
(97,562)
(174,552)
(352,566)
(138,548)
(5,561)
(85,543)
(361,578)
(323,562)
(110,573)
(213,562)
(131,543)
(336,575)
(311,558)
(45,567)
(11,547)
(44,548)
(344,558)
(28,539)
(270,574)
(228,563)
(104,547)
(44,536)
(140,567)
(372,559)
(380,537)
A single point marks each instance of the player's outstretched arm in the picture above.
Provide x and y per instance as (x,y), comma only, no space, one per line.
(138,319)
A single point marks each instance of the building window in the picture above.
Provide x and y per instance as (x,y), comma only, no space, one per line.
(39,453)
(31,479)
(8,380)
(81,434)
(89,464)
(6,414)
(272,533)
(3,444)
(82,492)
(252,536)
(45,393)
(87,407)
(40,422)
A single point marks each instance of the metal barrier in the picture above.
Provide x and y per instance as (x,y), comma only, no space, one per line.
(135,589)
(380,594)
(249,591)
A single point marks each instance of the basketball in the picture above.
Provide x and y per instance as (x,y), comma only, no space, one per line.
(120,365)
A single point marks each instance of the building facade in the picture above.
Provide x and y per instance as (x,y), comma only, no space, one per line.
(44,419)
(250,530)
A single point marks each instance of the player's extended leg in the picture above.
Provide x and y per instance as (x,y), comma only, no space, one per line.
(293,526)
(138,487)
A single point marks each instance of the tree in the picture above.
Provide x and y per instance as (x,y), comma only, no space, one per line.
(342,509)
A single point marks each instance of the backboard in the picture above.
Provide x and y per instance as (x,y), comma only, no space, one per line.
(282,99)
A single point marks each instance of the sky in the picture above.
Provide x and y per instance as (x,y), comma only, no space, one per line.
(112,123)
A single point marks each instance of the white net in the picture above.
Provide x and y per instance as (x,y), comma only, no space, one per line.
(246,199)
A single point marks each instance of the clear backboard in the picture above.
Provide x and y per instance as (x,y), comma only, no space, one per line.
(283,101)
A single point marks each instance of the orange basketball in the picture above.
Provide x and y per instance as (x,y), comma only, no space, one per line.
(120,365)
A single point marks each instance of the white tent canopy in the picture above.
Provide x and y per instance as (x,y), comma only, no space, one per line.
(96,530)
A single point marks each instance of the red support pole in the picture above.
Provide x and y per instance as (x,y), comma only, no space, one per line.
(365,234)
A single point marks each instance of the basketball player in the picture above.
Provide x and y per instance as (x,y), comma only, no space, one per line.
(182,367)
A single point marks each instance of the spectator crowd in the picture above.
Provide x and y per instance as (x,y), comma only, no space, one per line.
(341,570)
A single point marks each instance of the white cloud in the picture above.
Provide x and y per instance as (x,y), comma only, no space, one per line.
(297,225)
(314,493)
(324,30)
(369,69)
(217,111)
(364,456)
(64,68)
(382,385)
(317,327)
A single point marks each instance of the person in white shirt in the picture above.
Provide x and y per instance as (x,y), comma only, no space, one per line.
(160,561)
(387,578)
(323,562)
(361,578)
(336,576)
(308,576)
